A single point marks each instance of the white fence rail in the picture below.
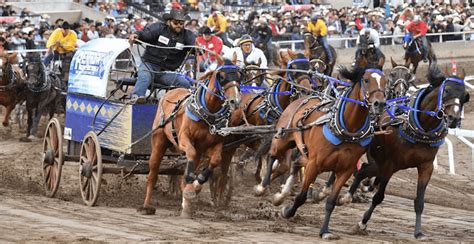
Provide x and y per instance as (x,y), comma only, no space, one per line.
(391,38)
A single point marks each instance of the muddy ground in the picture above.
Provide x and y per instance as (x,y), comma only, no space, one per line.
(27,215)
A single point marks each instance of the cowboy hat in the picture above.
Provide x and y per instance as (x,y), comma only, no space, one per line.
(176,14)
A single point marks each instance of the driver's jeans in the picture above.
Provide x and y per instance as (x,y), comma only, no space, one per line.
(52,56)
(323,40)
(145,77)
(424,43)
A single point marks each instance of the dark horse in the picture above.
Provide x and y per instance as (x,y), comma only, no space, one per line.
(43,93)
(315,51)
(334,143)
(413,52)
(11,86)
(184,121)
(415,142)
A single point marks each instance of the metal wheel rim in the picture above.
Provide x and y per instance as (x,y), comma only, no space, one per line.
(90,152)
(52,173)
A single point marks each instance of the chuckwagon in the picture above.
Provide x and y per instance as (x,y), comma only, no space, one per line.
(104,131)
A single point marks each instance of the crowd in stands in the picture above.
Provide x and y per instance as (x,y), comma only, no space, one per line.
(290,25)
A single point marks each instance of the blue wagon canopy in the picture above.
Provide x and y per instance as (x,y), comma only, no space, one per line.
(90,66)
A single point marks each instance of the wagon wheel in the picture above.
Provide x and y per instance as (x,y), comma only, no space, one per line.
(221,186)
(90,169)
(53,158)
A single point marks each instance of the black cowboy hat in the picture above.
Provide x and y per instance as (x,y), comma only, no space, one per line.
(176,14)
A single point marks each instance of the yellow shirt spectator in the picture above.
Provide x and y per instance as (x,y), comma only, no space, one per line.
(62,40)
(318,29)
(217,22)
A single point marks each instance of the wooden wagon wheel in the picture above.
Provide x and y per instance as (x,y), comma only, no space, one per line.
(53,158)
(222,186)
(90,169)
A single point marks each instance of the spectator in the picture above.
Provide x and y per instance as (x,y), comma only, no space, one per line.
(211,43)
(351,31)
(218,25)
(399,31)
(92,32)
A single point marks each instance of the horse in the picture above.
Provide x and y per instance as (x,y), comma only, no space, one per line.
(11,85)
(43,94)
(329,141)
(187,122)
(399,81)
(413,52)
(265,108)
(415,142)
(315,51)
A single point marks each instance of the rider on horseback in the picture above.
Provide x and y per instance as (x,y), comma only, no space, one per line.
(368,43)
(212,43)
(172,37)
(418,29)
(318,28)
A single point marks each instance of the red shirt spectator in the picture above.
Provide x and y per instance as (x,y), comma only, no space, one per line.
(210,42)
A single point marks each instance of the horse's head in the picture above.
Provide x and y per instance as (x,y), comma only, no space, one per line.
(253,73)
(35,71)
(372,87)
(309,41)
(297,65)
(229,76)
(399,81)
(452,95)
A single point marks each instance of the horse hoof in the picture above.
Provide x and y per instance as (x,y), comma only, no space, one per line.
(329,236)
(359,230)
(260,190)
(420,236)
(32,137)
(147,210)
(347,198)
(189,192)
(278,199)
(186,214)
(25,139)
(197,186)
(285,212)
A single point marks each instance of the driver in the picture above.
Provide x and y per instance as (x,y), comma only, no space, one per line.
(61,42)
(368,43)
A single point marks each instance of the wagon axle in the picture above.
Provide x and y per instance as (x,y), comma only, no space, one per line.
(86,169)
(48,157)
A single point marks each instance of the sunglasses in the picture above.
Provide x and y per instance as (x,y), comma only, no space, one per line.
(178,22)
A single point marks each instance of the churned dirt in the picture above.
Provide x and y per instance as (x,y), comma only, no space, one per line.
(27,215)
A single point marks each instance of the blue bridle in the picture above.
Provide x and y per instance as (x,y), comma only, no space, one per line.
(299,60)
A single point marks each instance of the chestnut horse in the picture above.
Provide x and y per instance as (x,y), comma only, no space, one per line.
(315,51)
(265,108)
(187,121)
(330,142)
(11,85)
(415,142)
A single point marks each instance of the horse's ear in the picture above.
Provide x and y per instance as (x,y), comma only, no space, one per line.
(394,64)
(463,74)
(220,59)
(292,54)
(284,58)
(234,58)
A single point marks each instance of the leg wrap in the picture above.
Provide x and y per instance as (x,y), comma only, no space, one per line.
(189,173)
(204,175)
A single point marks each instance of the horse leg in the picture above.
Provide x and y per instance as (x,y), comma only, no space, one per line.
(36,120)
(340,180)
(8,111)
(215,160)
(159,146)
(366,172)
(290,181)
(310,173)
(424,175)
(324,192)
(361,227)
(415,66)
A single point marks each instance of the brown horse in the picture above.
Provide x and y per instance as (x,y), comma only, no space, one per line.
(187,122)
(415,143)
(413,53)
(334,143)
(10,85)
(315,51)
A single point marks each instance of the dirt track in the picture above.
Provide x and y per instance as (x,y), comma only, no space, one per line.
(26,215)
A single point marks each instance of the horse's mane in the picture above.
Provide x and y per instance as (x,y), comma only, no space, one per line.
(435,76)
(354,74)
